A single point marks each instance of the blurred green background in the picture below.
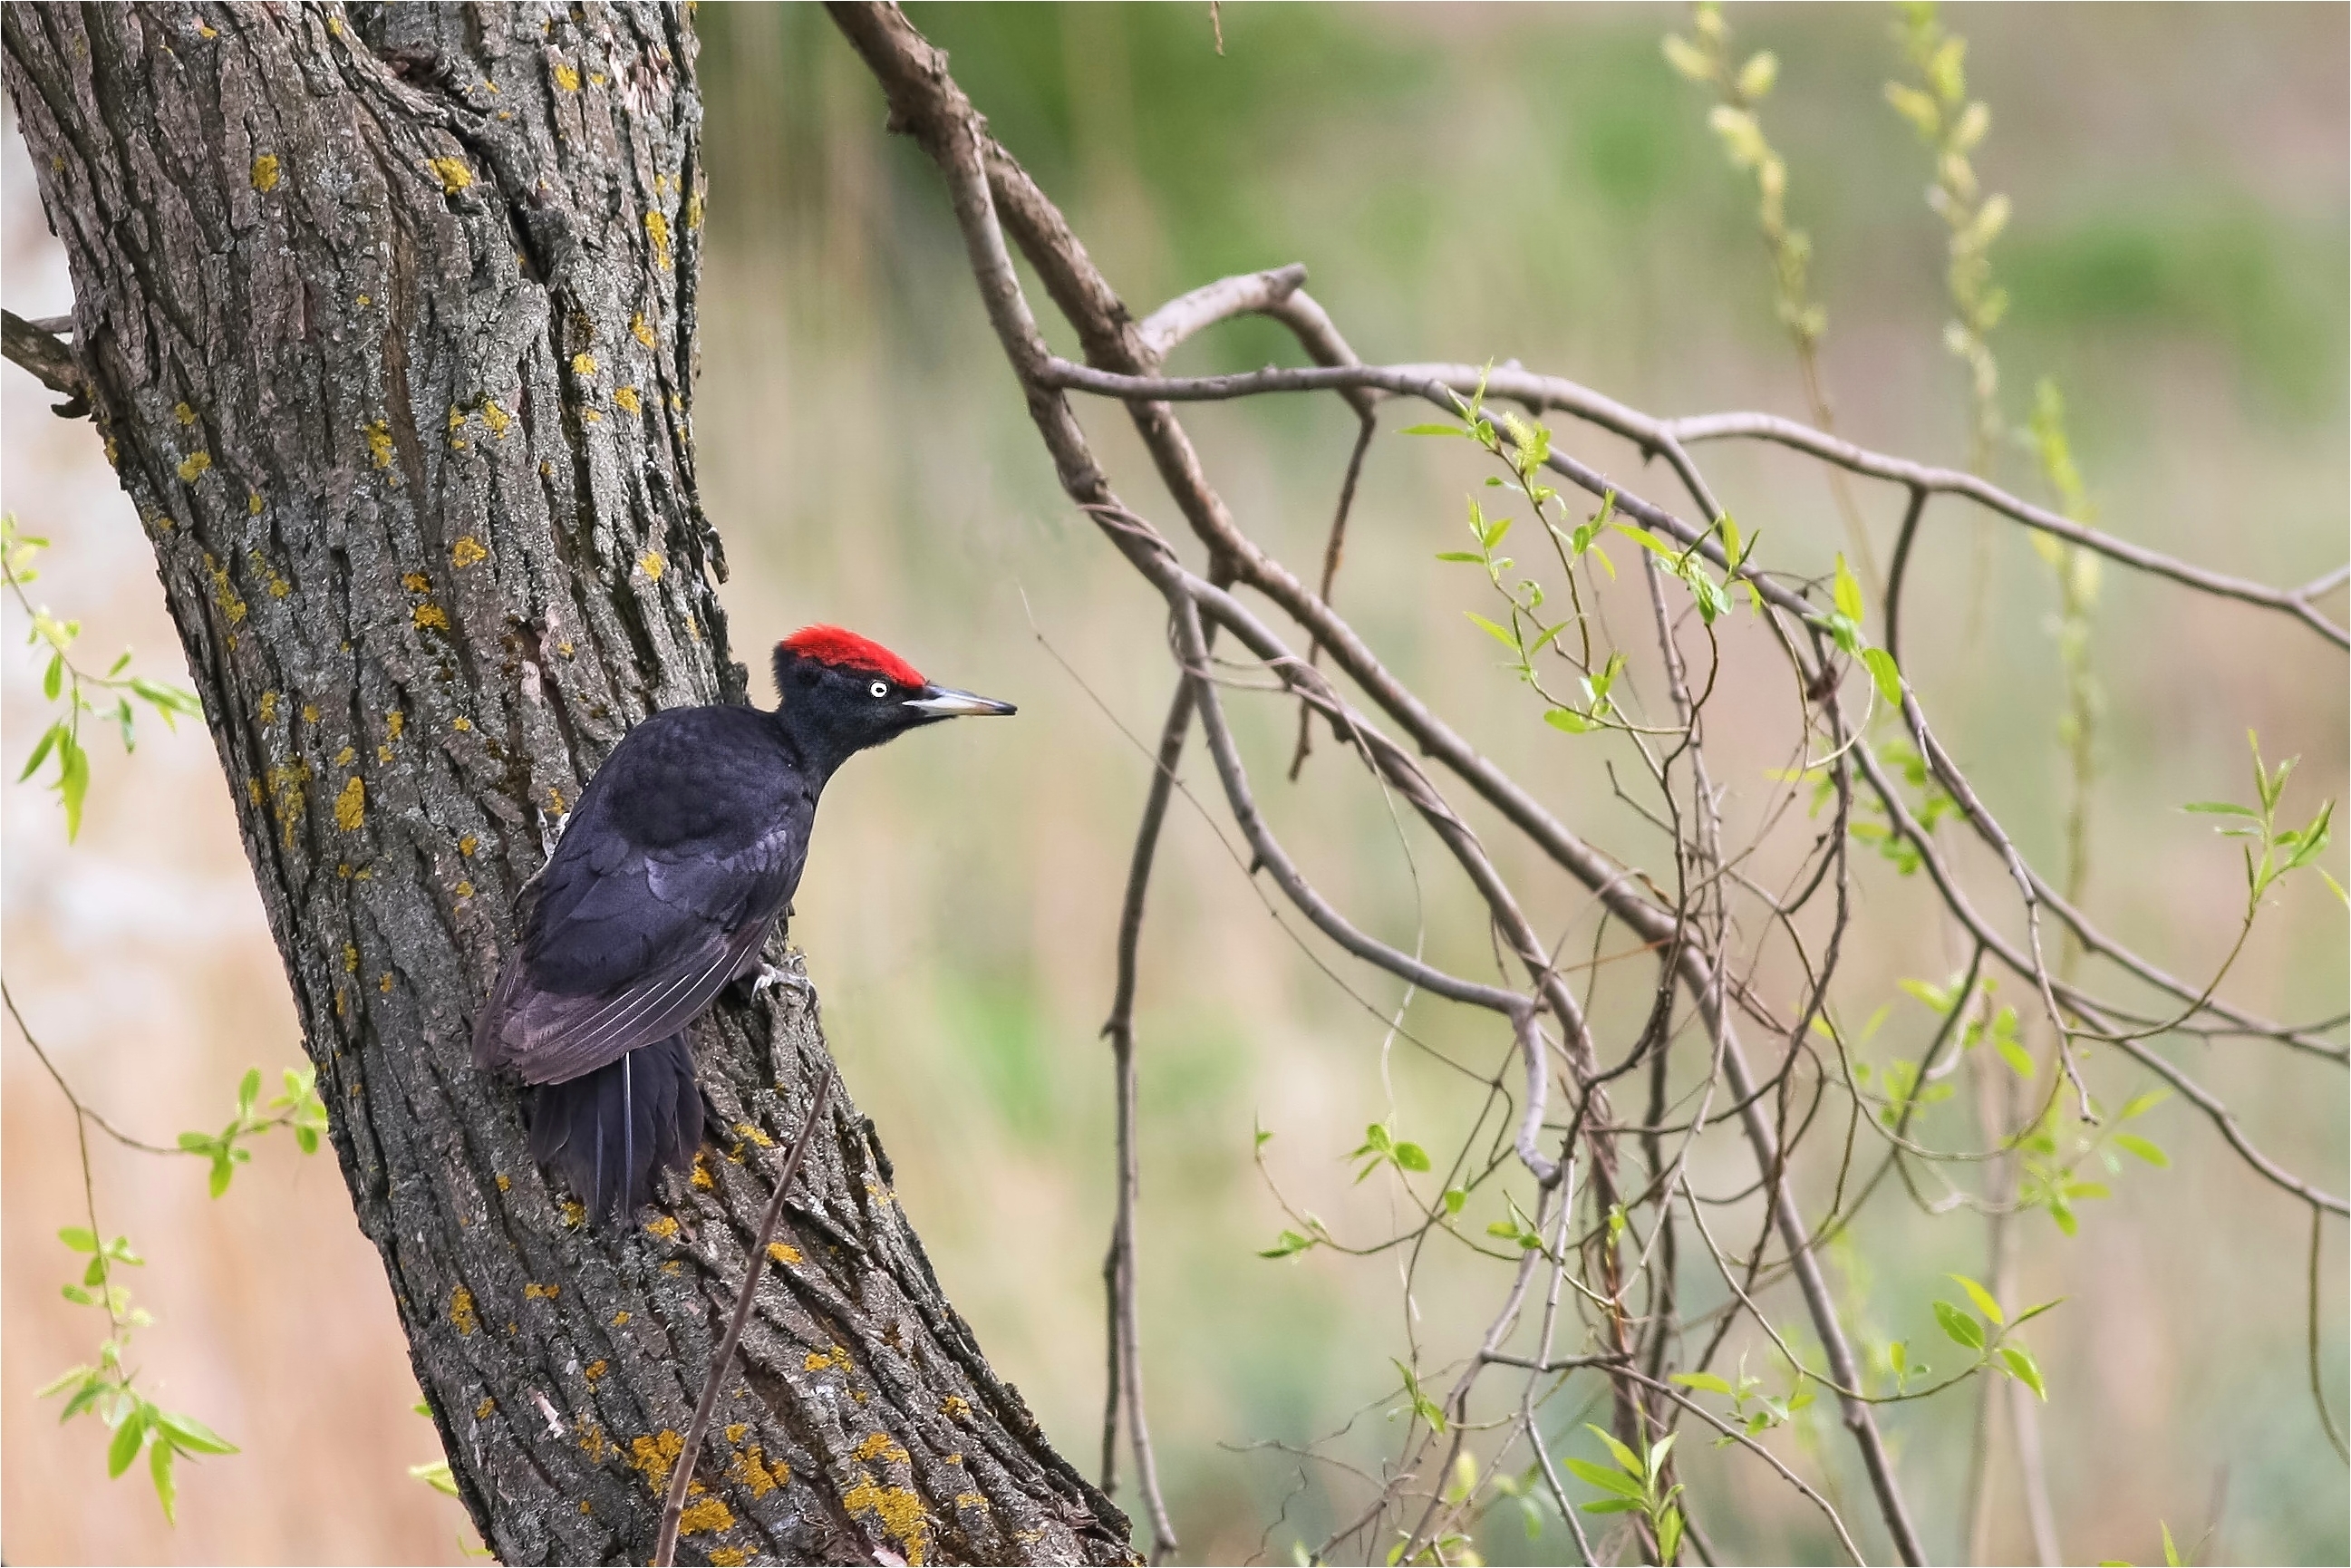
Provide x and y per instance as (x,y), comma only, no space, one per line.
(1465,183)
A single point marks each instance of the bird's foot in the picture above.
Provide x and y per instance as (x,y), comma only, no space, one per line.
(777,976)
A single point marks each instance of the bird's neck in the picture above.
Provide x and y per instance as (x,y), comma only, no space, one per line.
(812,748)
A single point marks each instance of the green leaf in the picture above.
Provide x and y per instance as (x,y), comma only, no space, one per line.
(222,1171)
(1289,1242)
(1657,1455)
(2221,809)
(1498,634)
(1848,592)
(73,781)
(1962,1330)
(2170,1552)
(1433,429)
(1648,542)
(1883,671)
(1985,1301)
(1625,1456)
(2145,1148)
(194,1435)
(1706,1380)
(2024,1369)
(1568,719)
(1612,1481)
(53,678)
(1933,997)
(127,1438)
(1468,555)
(436,1476)
(41,751)
(1454,1198)
(72,1376)
(159,1466)
(248,1090)
(2015,1055)
(1412,1156)
(79,1238)
(1611,1505)
(2140,1104)
(1687,59)
(2029,1313)
(1669,1523)
(76,1295)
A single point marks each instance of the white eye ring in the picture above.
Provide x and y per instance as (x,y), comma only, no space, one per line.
(879,688)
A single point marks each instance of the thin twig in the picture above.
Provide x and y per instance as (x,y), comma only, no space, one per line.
(2317,1383)
(1125,1339)
(1333,549)
(722,1363)
(81,1109)
(1436,382)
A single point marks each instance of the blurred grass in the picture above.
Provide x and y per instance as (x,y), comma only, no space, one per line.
(1464,182)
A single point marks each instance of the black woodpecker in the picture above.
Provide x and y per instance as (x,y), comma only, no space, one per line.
(685,851)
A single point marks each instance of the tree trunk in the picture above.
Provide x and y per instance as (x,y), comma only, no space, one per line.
(387,317)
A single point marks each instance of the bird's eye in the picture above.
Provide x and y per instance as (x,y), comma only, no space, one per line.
(879,688)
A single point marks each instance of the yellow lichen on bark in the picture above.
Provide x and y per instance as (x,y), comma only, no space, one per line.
(351,806)
(706,1518)
(461,1305)
(898,1511)
(652,1457)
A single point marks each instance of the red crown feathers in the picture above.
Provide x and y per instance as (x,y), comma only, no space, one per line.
(846,650)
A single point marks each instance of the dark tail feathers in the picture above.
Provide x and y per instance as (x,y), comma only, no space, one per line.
(609,1130)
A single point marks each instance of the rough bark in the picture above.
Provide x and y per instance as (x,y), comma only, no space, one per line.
(386,318)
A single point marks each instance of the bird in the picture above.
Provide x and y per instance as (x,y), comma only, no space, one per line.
(685,851)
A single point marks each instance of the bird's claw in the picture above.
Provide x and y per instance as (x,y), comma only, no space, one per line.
(774,975)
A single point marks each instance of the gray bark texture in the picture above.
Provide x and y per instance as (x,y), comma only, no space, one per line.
(387,320)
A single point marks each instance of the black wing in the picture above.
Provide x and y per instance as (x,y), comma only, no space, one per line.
(623,941)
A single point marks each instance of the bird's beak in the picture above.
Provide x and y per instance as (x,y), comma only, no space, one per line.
(946,702)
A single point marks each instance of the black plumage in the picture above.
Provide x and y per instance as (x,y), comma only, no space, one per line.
(684,852)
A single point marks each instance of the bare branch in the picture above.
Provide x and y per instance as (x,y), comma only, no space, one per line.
(1418,380)
(1243,294)
(35,346)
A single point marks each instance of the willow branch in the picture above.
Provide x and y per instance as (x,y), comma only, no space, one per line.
(1551,392)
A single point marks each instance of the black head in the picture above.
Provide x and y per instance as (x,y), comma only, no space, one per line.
(840,694)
